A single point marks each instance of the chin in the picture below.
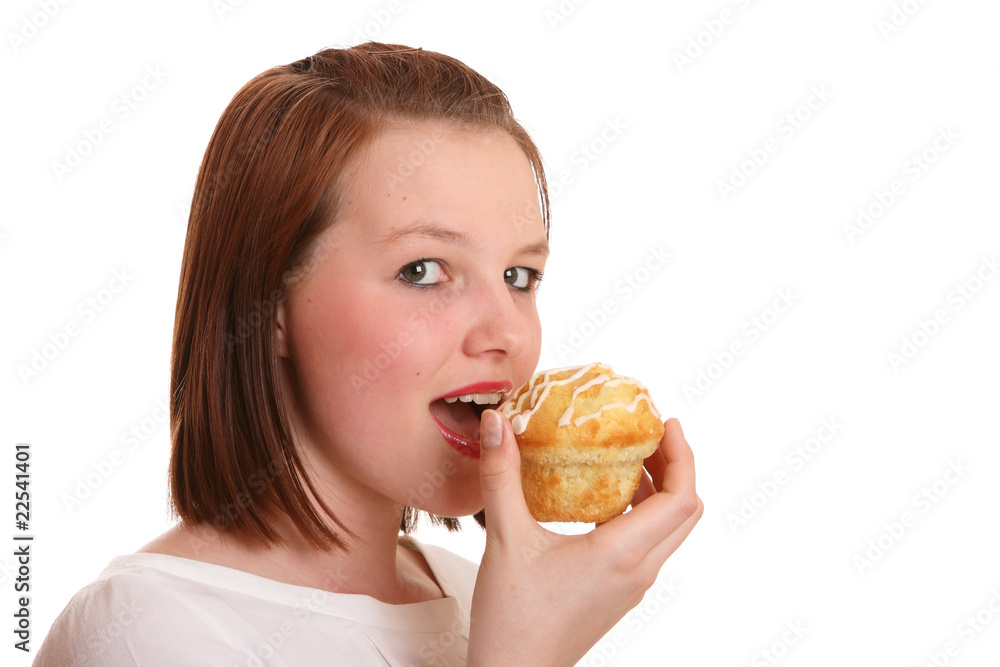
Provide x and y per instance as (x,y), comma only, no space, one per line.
(453,504)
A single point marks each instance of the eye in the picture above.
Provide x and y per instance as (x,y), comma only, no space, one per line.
(522,278)
(423,272)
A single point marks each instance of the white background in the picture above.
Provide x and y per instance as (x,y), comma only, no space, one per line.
(673,131)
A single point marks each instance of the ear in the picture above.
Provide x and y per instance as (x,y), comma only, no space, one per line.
(281,332)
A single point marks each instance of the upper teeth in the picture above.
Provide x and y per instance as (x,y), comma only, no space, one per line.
(481,399)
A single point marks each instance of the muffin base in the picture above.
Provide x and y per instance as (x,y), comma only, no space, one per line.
(585,492)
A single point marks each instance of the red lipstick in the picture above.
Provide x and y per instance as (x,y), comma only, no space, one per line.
(480,388)
(448,418)
(465,446)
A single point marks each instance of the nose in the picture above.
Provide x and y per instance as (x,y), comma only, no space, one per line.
(500,325)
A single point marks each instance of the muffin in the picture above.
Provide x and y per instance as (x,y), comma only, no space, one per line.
(583,433)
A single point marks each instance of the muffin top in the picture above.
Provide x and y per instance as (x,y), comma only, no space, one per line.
(583,406)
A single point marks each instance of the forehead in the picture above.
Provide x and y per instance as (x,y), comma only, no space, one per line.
(430,170)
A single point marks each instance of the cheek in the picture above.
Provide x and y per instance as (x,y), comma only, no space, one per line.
(526,364)
(361,352)
(355,358)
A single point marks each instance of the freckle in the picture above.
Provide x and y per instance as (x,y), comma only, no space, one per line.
(404,197)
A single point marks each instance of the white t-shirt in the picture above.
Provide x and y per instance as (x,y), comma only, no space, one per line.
(154,610)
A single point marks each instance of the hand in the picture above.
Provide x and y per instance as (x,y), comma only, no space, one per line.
(545,599)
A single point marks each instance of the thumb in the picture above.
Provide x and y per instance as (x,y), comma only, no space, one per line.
(500,474)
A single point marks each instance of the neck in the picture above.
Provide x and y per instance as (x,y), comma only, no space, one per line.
(369,566)
(373,564)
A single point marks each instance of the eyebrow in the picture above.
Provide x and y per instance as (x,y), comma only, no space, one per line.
(541,249)
(427,230)
(431,230)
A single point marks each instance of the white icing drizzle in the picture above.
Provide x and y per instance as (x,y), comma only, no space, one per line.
(600,379)
(618,404)
(541,383)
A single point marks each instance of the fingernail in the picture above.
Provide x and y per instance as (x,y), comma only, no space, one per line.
(492,429)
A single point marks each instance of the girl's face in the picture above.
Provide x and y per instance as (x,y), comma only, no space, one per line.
(424,289)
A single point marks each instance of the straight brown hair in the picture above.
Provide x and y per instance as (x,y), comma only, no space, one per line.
(267,188)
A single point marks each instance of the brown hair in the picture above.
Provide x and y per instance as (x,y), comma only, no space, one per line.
(266,190)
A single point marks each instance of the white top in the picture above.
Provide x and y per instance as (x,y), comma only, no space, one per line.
(154,610)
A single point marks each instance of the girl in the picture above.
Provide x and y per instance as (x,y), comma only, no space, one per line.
(367,234)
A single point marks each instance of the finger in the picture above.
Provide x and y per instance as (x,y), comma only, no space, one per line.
(656,465)
(500,476)
(654,520)
(644,490)
(659,554)
(678,474)
(650,524)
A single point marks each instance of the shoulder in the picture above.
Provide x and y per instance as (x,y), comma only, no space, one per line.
(127,617)
(202,543)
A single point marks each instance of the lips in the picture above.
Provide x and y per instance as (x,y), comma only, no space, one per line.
(457,414)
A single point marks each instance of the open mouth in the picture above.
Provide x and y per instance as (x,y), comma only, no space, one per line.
(458,414)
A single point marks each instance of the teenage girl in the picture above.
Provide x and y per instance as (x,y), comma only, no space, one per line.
(367,235)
